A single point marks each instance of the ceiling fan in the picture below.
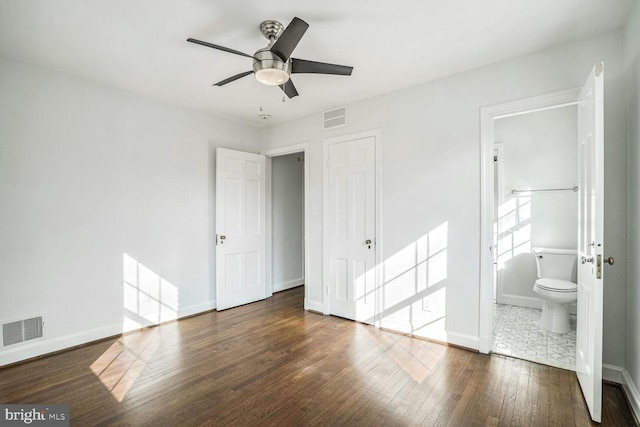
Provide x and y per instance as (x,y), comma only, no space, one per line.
(273,64)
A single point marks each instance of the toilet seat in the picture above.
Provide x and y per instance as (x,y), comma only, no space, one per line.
(556,285)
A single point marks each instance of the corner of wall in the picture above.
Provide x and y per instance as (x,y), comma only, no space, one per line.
(632,393)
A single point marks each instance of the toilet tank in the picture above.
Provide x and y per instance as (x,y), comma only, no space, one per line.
(553,263)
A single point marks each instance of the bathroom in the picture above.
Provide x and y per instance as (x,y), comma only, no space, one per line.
(536,173)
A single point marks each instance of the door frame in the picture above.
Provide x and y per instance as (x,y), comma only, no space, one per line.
(498,164)
(487,197)
(378,244)
(269,154)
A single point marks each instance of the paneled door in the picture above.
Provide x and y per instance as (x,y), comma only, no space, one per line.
(350,228)
(240,228)
(591,240)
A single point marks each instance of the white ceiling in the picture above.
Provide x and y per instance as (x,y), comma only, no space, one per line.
(140,45)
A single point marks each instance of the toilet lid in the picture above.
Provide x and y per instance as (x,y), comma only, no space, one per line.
(556,285)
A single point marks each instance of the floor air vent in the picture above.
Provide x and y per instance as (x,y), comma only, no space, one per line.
(334,118)
(22,330)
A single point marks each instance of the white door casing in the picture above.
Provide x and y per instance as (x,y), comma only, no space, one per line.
(591,240)
(350,228)
(240,228)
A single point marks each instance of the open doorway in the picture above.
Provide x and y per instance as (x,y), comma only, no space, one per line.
(507,202)
(287,218)
(287,221)
(536,224)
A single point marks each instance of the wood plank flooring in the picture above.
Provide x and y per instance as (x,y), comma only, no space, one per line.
(272,363)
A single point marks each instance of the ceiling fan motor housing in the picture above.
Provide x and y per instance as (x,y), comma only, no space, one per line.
(269,68)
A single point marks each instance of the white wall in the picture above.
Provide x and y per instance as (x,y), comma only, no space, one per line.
(287,219)
(431,179)
(98,186)
(632,65)
(540,151)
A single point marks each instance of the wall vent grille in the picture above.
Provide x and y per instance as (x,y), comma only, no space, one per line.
(334,118)
(22,330)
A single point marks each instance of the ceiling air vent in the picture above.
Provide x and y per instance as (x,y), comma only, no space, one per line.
(334,118)
(22,330)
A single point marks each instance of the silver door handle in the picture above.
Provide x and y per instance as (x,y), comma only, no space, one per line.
(585,260)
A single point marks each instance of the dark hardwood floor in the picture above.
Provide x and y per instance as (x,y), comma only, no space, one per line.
(272,363)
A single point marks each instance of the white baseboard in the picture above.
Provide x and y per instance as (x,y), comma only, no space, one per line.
(621,376)
(612,373)
(42,347)
(277,287)
(313,306)
(49,345)
(519,301)
(396,325)
(463,340)
(632,393)
(525,301)
(196,308)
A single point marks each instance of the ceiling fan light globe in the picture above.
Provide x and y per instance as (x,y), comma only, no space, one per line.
(272,76)
(269,68)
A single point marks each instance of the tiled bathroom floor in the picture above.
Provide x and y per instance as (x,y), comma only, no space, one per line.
(517,333)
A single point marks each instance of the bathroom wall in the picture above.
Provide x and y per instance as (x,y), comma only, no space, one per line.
(539,151)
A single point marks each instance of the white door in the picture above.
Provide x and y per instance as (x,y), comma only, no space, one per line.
(590,240)
(240,228)
(350,229)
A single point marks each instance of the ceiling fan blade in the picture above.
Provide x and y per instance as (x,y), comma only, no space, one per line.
(304,66)
(289,89)
(233,78)
(215,46)
(289,38)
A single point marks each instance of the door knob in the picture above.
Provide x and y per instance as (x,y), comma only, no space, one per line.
(368,243)
(585,260)
(609,260)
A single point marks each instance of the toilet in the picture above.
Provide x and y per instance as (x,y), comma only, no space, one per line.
(556,286)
